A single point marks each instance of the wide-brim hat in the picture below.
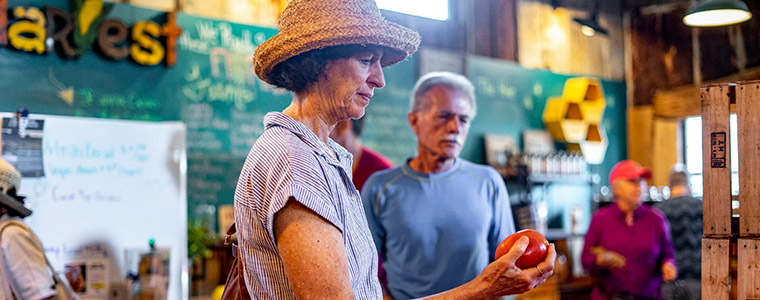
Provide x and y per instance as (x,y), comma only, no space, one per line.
(16,205)
(307,25)
(10,179)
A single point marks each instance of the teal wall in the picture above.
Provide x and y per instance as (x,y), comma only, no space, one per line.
(213,90)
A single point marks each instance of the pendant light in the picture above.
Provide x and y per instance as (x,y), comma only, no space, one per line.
(711,13)
(590,25)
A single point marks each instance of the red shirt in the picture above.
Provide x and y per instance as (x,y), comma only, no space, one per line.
(369,162)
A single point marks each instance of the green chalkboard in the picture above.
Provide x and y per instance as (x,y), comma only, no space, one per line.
(212,89)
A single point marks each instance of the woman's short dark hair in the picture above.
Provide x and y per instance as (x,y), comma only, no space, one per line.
(300,71)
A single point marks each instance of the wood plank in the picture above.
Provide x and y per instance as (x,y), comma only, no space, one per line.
(640,124)
(748,121)
(666,137)
(748,286)
(715,268)
(683,101)
(716,159)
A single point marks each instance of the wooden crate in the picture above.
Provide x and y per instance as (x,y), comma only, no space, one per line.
(716,103)
(748,121)
(748,268)
(715,268)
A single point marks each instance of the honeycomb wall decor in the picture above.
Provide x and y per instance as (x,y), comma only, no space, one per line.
(576,118)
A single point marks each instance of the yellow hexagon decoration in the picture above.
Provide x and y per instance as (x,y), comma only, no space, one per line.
(575,117)
(564,119)
(594,146)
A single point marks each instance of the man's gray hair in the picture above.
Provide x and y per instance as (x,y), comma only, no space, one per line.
(459,83)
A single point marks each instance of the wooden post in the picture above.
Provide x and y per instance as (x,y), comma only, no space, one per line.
(748,270)
(716,102)
(715,268)
(748,125)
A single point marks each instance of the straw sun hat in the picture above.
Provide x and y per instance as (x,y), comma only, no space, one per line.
(307,25)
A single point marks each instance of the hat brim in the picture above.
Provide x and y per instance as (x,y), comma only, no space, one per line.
(646,173)
(15,205)
(401,42)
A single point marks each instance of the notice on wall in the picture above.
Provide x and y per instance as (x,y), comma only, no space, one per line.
(22,145)
(91,277)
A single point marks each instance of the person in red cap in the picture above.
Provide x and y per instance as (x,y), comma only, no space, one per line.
(628,248)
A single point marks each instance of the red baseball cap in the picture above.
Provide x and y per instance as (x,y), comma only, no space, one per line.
(629,169)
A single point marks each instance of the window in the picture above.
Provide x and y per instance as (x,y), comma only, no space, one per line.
(432,9)
(693,150)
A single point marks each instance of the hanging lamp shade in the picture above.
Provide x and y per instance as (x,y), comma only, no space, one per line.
(711,13)
(591,25)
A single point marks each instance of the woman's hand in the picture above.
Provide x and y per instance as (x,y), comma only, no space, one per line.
(504,278)
(669,272)
(608,259)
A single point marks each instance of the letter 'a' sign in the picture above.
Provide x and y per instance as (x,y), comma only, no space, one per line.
(718,150)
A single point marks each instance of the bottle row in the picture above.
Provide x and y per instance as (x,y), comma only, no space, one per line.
(561,163)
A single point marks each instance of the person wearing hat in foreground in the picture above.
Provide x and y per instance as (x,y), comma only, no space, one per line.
(628,248)
(24,271)
(302,231)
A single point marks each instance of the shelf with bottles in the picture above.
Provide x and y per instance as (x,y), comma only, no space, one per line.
(559,166)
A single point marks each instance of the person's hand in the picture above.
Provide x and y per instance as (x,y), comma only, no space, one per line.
(608,259)
(502,277)
(669,271)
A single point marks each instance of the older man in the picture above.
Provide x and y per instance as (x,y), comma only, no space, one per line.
(437,219)
(628,248)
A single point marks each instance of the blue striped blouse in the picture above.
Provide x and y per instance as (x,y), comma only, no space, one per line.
(289,160)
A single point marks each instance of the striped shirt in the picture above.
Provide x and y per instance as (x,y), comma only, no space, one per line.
(289,160)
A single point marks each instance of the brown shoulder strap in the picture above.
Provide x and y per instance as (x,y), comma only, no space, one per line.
(241,274)
(228,238)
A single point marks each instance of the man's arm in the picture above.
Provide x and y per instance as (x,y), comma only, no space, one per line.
(313,253)
(503,224)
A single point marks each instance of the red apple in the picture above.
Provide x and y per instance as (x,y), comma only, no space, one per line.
(534,254)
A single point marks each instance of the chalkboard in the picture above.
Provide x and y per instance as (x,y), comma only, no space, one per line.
(212,89)
(110,186)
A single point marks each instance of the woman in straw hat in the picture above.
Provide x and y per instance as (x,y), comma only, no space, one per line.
(301,226)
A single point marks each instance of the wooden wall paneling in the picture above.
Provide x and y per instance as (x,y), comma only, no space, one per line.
(505,29)
(209,9)
(164,5)
(748,123)
(665,151)
(640,123)
(748,270)
(716,100)
(683,101)
(715,268)
(482,29)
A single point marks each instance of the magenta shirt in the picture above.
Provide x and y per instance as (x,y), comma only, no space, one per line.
(646,246)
